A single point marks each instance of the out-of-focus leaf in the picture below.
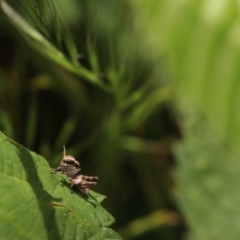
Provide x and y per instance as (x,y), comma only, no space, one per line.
(70,45)
(39,43)
(145,107)
(32,120)
(37,204)
(50,21)
(153,221)
(140,145)
(34,16)
(201,40)
(66,132)
(93,58)
(72,12)
(209,177)
(5,123)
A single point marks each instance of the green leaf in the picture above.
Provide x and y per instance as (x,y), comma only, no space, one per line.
(142,110)
(42,45)
(34,16)
(201,40)
(208,178)
(36,204)
(93,59)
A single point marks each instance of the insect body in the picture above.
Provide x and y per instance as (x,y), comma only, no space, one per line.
(83,183)
(71,167)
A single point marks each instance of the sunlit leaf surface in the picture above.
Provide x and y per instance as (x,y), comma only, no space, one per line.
(36,204)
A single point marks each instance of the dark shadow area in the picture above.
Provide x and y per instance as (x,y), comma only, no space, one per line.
(90,199)
(44,199)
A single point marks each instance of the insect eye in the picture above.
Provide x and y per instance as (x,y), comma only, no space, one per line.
(68,161)
(76,164)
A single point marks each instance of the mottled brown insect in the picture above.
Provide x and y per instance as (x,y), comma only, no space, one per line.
(71,167)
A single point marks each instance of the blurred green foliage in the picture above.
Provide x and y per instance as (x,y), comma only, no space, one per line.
(101,96)
(208,187)
(104,78)
(201,41)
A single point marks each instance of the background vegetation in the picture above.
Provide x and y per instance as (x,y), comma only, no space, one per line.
(143,93)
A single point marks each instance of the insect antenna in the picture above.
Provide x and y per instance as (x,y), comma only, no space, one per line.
(64,151)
